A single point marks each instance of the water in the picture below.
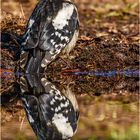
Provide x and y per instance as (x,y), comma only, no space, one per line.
(103,115)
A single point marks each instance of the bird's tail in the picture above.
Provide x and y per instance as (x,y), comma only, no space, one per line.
(30,61)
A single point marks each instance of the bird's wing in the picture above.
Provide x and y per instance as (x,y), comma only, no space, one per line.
(30,104)
(40,17)
(48,32)
(57,34)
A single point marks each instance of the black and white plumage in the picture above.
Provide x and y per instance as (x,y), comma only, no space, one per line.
(52,115)
(51,29)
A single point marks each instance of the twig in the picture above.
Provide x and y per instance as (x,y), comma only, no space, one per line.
(22,11)
(21,125)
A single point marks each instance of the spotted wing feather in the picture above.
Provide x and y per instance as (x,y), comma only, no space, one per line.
(50,33)
(58,34)
(40,17)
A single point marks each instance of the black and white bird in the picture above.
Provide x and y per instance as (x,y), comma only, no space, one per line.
(51,114)
(52,29)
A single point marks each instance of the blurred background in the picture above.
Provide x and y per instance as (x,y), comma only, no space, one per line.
(109,107)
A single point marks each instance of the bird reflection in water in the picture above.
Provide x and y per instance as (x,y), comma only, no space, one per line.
(52,115)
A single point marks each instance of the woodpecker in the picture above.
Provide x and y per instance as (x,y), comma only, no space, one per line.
(51,114)
(52,29)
